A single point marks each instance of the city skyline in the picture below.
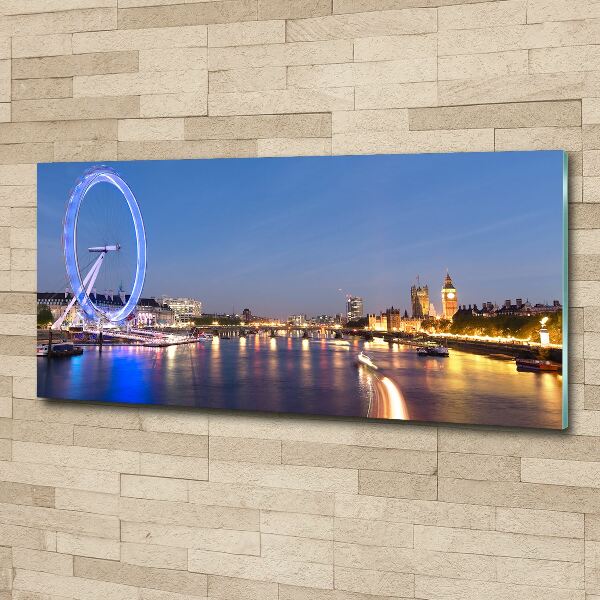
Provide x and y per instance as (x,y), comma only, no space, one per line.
(284,236)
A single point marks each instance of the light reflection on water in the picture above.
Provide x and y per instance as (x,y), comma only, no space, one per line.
(296,375)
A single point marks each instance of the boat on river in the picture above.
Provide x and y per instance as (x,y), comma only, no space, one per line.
(433,351)
(534,364)
(364,359)
(62,349)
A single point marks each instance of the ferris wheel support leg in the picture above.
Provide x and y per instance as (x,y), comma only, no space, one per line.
(89,280)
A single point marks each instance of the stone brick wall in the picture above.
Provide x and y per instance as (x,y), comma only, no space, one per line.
(127,503)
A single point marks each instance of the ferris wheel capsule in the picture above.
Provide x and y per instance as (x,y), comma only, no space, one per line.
(81,286)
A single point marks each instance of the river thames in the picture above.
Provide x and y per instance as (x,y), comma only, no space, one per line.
(294,375)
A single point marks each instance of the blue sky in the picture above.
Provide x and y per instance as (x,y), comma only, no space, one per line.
(283,235)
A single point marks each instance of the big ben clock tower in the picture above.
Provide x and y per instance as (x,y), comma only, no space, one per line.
(449,298)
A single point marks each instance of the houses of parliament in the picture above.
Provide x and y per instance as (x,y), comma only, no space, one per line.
(422,308)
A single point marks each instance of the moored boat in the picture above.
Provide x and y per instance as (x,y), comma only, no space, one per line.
(534,364)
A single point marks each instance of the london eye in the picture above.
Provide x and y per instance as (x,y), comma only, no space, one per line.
(104,244)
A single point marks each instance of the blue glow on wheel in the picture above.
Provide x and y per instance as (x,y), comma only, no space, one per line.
(89,179)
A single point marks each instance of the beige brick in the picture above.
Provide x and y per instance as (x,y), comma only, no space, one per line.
(561,472)
(173,59)
(361,74)
(154,488)
(76,457)
(262,569)
(193,515)
(477,466)
(76,587)
(143,83)
(297,524)
(179,536)
(400,22)
(150,555)
(590,110)
(281,101)
(259,126)
(359,433)
(185,467)
(39,560)
(539,522)
(505,116)
(400,95)
(293,147)
(498,543)
(539,11)
(173,105)
(188,149)
(273,55)
(187,14)
(53,131)
(83,545)
(354,457)
(98,63)
(142,441)
(374,582)
(437,587)
(194,584)
(68,21)
(11,153)
(517,37)
(559,60)
(293,9)
(420,562)
(52,44)
(246,33)
(140,39)
(361,121)
(85,151)
(374,533)
(399,485)
(19,7)
(244,496)
(24,89)
(409,47)
(513,88)
(472,140)
(285,476)
(233,588)
(81,500)
(247,80)
(245,450)
(150,129)
(174,421)
(550,573)
(521,495)
(280,547)
(75,108)
(481,15)
(539,138)
(483,66)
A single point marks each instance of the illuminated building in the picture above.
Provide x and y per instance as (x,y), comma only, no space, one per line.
(298,320)
(419,300)
(378,322)
(354,308)
(185,309)
(449,298)
(394,319)
(247,315)
(148,311)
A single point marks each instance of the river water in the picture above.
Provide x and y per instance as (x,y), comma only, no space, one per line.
(294,375)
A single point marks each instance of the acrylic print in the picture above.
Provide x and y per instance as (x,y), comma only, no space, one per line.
(406,287)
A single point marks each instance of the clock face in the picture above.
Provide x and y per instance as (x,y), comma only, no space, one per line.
(450,296)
